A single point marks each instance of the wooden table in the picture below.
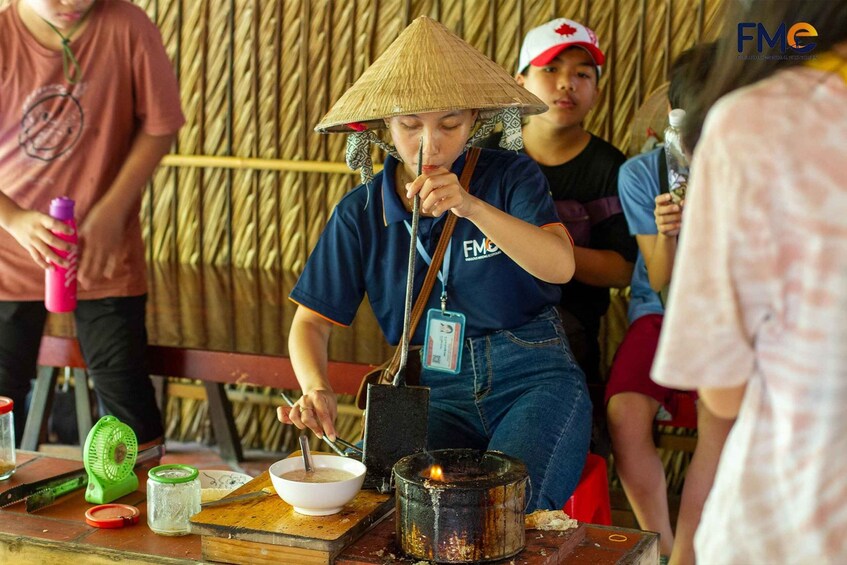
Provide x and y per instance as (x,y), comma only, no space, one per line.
(589,544)
(58,533)
(221,326)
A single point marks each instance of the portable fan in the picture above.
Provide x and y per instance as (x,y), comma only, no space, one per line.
(109,457)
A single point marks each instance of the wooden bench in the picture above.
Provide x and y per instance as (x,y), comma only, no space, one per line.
(215,369)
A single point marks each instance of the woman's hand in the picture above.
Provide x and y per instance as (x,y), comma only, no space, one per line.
(668,215)
(315,410)
(34,232)
(440,191)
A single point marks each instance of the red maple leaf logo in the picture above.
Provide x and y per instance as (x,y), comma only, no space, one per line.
(565,29)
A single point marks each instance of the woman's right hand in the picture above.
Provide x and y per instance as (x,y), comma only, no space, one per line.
(668,215)
(315,410)
(34,232)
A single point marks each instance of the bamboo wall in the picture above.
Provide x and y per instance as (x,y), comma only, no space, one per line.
(257,75)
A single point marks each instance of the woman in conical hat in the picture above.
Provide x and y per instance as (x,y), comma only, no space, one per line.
(512,384)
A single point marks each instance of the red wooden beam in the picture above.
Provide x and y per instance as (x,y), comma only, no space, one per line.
(212,366)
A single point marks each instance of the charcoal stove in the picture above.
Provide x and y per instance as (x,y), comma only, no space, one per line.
(460,505)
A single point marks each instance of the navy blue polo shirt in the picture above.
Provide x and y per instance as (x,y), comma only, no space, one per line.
(364,249)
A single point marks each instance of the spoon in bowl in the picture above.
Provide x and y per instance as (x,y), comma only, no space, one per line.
(307,453)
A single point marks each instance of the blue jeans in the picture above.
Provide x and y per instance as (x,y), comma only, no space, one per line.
(520,392)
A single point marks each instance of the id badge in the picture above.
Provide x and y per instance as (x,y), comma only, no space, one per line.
(445,332)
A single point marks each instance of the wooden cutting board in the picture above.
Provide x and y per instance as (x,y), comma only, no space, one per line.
(267,530)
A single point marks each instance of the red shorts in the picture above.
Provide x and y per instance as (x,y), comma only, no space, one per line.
(630,370)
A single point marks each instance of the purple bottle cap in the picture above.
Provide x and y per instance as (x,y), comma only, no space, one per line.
(62,208)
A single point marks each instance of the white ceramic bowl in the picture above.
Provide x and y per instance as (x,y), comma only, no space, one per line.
(216,484)
(318,499)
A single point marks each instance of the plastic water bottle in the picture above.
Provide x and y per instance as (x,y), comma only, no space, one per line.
(60,282)
(676,159)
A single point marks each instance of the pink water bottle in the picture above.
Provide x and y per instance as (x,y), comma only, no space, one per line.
(60,282)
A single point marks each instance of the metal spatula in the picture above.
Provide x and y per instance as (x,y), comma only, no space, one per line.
(397,415)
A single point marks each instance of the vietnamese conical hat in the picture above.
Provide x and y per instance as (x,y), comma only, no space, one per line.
(427,68)
(652,114)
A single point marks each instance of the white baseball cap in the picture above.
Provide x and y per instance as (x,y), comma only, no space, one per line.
(544,43)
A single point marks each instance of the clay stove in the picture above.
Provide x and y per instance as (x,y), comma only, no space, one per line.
(460,505)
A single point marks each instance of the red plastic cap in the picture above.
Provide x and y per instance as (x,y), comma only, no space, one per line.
(6,404)
(112,516)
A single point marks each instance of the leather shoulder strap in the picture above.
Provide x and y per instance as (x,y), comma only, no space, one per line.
(438,256)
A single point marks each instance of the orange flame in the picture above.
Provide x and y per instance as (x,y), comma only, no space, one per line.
(436,473)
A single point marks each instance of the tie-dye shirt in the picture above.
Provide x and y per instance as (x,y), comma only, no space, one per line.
(759,296)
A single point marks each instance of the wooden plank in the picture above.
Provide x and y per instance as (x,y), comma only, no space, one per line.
(59,535)
(588,543)
(223,423)
(271,520)
(607,544)
(255,553)
(213,366)
(675,442)
(41,404)
(31,551)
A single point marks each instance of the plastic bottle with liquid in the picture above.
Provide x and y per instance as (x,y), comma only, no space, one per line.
(60,282)
(7,438)
(676,159)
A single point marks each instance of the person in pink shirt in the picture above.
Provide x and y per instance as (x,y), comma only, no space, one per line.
(89,106)
(757,320)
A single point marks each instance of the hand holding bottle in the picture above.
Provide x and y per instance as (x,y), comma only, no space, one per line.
(37,233)
(668,215)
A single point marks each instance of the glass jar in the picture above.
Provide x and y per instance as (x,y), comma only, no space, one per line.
(7,438)
(173,497)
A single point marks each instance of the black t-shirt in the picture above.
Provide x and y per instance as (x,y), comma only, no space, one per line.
(590,175)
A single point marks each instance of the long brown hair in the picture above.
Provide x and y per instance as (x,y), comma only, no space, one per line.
(732,71)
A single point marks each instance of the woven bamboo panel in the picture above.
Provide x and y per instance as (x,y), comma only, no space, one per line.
(256,75)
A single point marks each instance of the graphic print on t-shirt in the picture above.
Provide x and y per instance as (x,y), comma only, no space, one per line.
(51,123)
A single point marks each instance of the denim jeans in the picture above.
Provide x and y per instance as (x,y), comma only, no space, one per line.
(519,392)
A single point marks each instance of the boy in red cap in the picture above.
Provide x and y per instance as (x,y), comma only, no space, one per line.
(560,62)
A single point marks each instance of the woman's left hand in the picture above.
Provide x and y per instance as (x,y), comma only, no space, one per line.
(440,191)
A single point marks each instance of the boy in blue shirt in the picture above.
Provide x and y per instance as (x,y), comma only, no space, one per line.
(632,398)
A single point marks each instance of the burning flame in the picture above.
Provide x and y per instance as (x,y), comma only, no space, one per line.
(436,473)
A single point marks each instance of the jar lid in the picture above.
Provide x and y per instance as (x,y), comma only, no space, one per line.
(6,404)
(172,474)
(112,516)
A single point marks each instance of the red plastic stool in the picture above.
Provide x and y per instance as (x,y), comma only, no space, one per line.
(590,501)
(686,412)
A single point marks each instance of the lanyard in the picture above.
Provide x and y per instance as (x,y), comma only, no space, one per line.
(444,273)
(70,65)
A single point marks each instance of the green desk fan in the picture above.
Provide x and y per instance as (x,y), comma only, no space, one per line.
(109,457)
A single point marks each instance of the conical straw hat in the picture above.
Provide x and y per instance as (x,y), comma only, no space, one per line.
(653,114)
(427,69)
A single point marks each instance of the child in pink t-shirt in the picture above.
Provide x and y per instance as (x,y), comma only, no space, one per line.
(758,315)
(90,105)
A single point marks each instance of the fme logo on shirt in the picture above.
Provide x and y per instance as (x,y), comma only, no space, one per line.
(475,250)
